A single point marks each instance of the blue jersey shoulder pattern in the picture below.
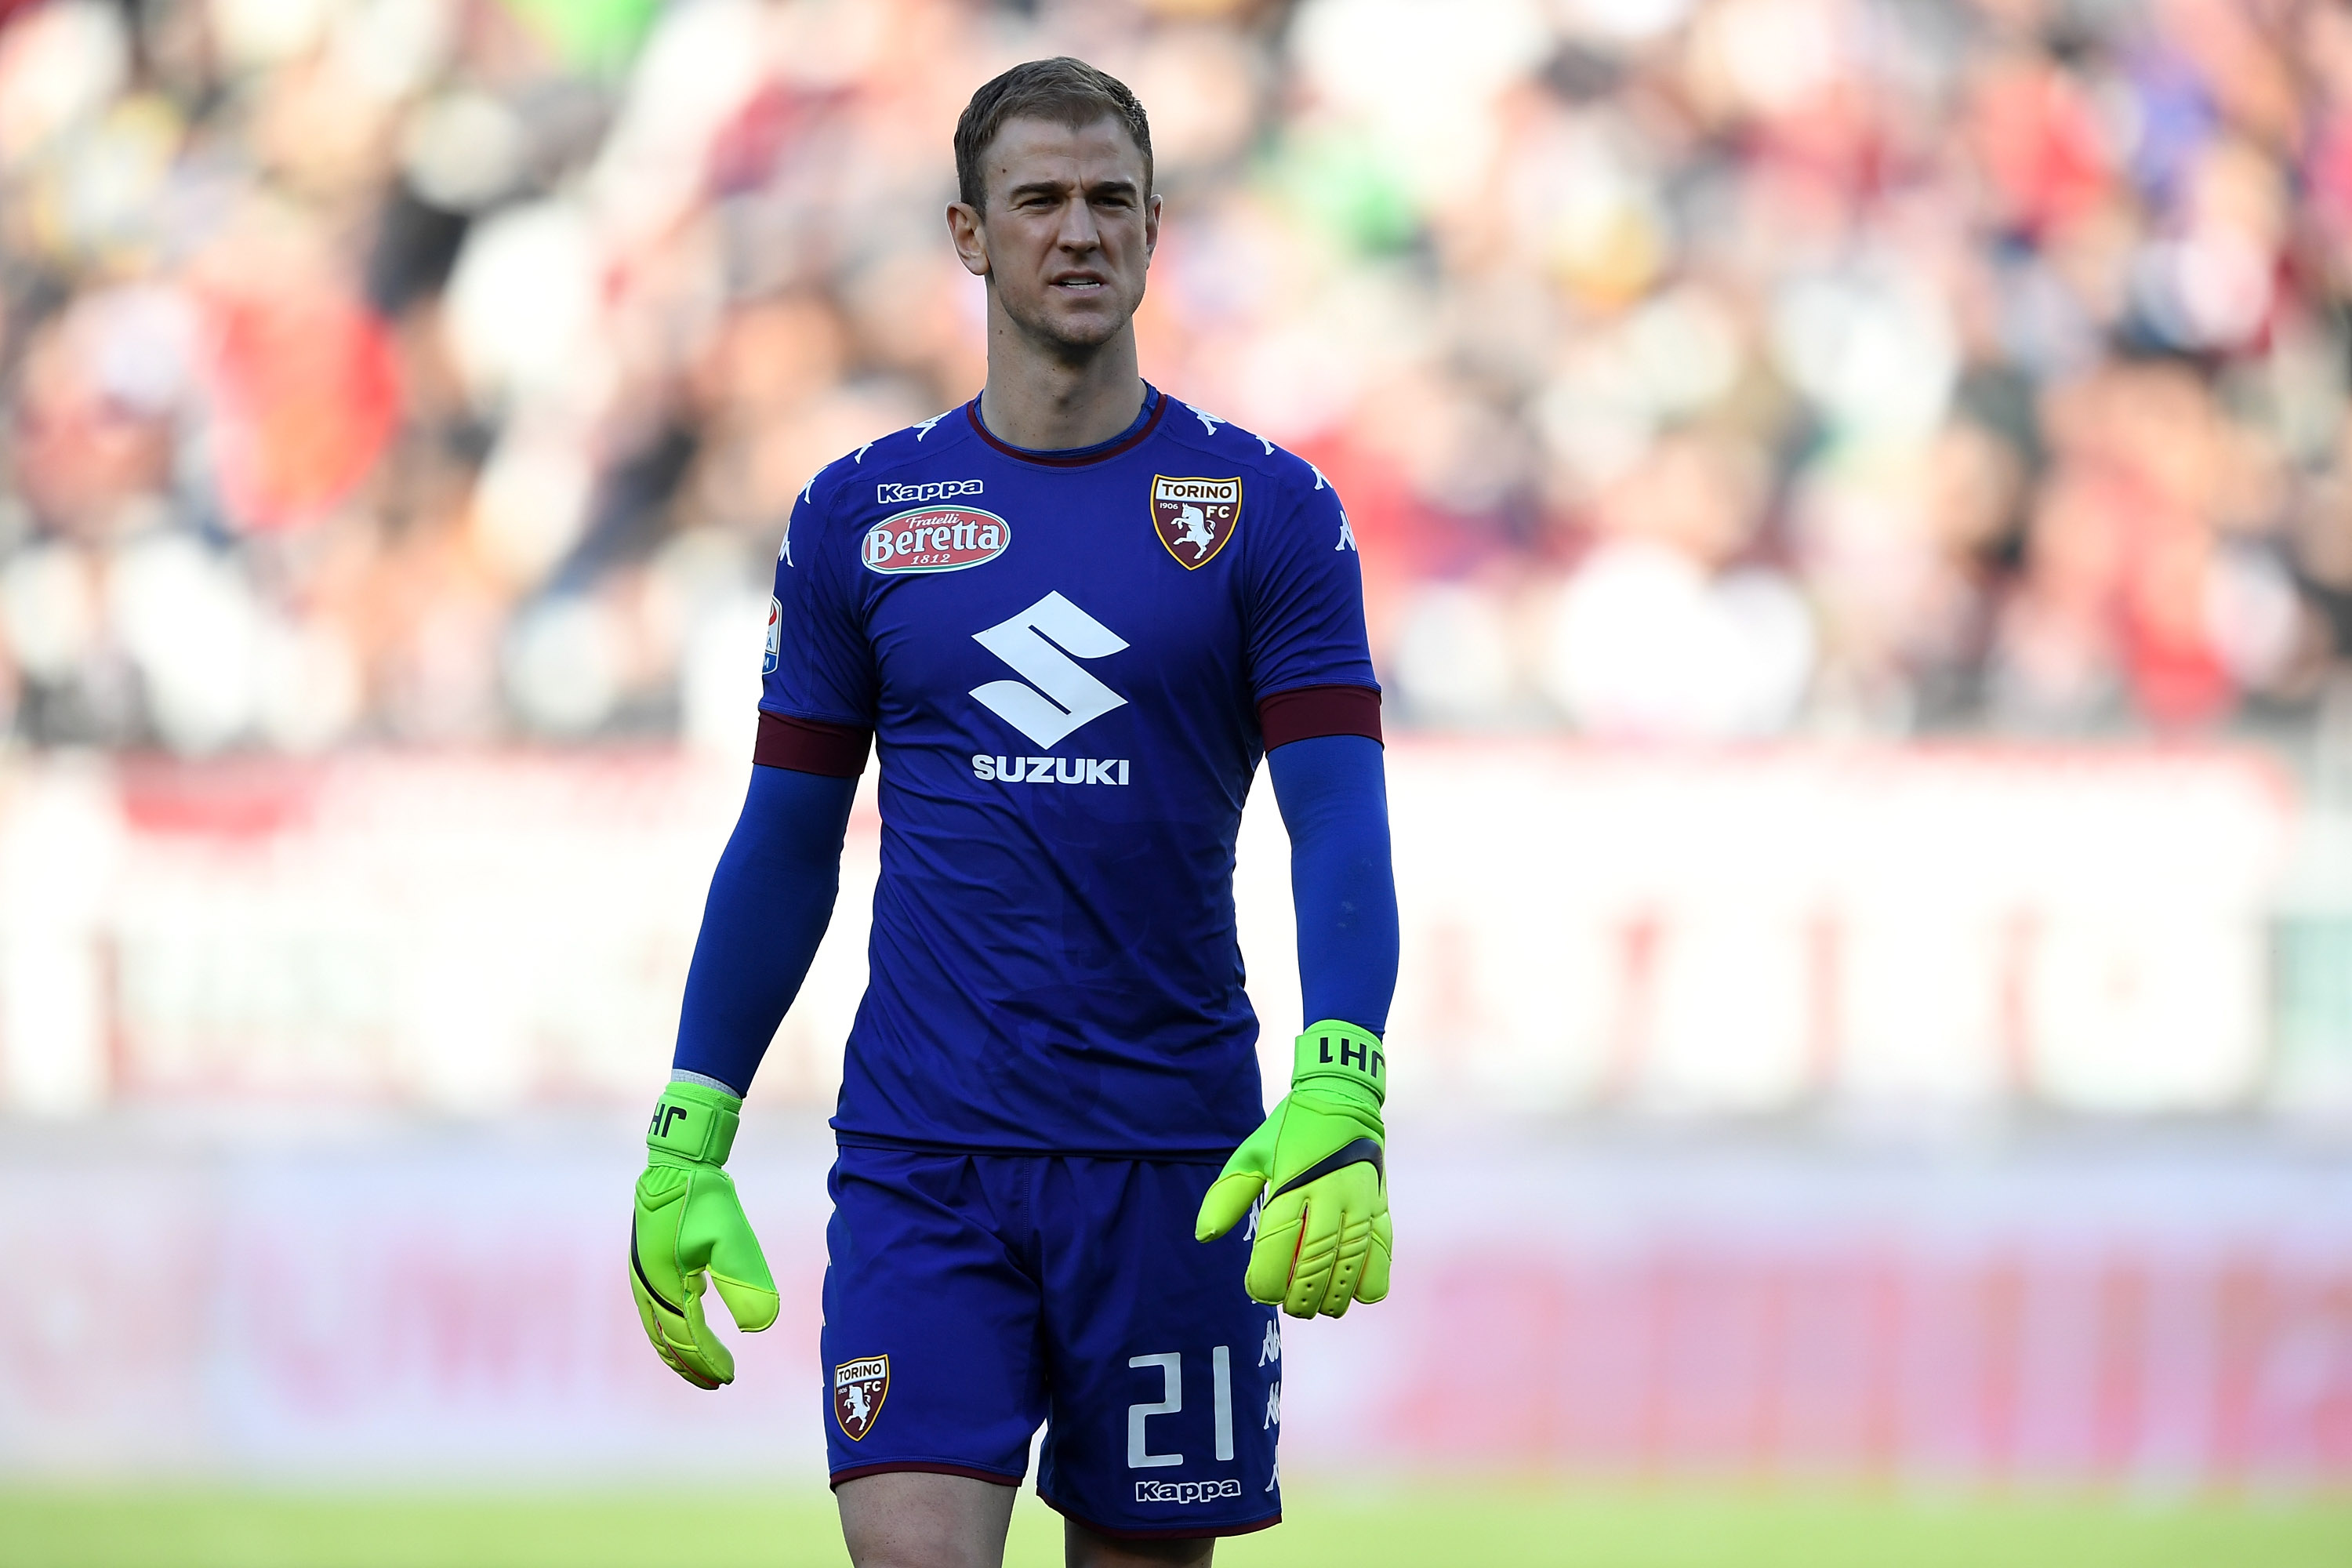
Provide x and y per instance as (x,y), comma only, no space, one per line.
(1061,656)
(1304,616)
(831,681)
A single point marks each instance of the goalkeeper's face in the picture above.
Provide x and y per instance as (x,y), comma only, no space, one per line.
(1067,231)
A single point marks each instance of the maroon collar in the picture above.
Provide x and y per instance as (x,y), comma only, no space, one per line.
(1082,455)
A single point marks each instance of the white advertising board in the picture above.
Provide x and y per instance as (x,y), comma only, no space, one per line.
(1728,932)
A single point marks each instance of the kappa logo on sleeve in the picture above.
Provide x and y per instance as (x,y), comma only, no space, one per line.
(858,1389)
(1196,517)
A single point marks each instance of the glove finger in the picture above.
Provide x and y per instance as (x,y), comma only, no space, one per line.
(1317,1250)
(671,1285)
(654,1240)
(738,1267)
(1248,1171)
(1358,1188)
(753,1307)
(1374,1284)
(704,1352)
(1276,1249)
(1228,1199)
(645,1316)
(1355,1240)
(652,1316)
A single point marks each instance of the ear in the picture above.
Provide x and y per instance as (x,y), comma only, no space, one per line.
(971,237)
(1151,228)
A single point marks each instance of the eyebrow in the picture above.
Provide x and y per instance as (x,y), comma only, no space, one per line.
(1119,187)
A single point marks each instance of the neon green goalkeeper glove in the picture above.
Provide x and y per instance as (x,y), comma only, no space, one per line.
(688,1219)
(1323,1238)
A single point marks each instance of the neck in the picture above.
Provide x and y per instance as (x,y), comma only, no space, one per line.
(1050,398)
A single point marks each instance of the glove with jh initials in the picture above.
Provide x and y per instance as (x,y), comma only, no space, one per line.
(1323,1236)
(688,1220)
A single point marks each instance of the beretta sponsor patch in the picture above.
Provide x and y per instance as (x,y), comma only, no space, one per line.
(858,1387)
(1196,517)
(935,538)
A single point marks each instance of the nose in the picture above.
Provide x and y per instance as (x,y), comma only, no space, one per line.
(1079,233)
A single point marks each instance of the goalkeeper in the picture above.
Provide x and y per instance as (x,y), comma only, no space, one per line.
(1074,613)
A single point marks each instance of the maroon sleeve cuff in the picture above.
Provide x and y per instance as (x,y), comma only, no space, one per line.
(1305,711)
(811,746)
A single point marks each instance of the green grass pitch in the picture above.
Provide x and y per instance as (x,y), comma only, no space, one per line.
(1420,1525)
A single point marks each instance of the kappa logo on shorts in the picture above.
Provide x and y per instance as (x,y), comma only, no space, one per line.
(1196,517)
(1186,1491)
(858,1389)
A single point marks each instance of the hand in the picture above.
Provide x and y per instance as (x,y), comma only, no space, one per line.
(1323,1236)
(689,1220)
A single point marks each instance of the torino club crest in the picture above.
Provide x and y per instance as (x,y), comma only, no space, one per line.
(858,1387)
(1196,517)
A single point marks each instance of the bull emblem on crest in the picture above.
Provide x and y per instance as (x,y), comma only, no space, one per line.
(1196,517)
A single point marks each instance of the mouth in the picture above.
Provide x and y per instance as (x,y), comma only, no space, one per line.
(1079,283)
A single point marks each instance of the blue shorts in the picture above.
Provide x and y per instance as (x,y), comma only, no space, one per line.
(968,1298)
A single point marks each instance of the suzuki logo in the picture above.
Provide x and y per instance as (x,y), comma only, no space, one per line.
(1028,642)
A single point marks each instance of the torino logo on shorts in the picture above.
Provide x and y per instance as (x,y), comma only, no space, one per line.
(1186,1491)
(858,1387)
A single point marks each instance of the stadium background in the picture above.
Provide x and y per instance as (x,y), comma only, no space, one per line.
(1858,533)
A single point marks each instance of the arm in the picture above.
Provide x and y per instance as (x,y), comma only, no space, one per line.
(1318,1164)
(1313,1177)
(1334,801)
(770,899)
(769,902)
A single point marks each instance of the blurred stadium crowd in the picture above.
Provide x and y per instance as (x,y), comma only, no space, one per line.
(443,370)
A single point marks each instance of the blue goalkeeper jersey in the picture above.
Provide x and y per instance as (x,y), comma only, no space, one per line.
(1070,663)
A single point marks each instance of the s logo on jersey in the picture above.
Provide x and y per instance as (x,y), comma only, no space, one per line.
(1039,642)
(935,538)
(1196,517)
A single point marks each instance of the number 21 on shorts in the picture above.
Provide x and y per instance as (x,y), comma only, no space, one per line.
(1171,1365)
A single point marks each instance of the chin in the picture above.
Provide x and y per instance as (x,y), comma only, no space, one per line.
(1083,335)
(1075,330)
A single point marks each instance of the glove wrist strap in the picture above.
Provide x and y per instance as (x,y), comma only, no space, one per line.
(692,1121)
(1334,1053)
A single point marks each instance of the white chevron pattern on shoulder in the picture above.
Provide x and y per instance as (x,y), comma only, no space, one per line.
(923,427)
(1209,421)
(859,457)
(1265,443)
(1320,482)
(810,486)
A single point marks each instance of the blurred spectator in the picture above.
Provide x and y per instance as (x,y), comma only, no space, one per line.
(444,370)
